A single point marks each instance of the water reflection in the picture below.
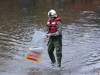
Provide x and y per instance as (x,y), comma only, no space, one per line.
(16,10)
(20,18)
(45,73)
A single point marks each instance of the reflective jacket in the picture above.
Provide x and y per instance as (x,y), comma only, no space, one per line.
(51,26)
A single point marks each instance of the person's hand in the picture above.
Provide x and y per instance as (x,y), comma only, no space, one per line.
(45,38)
(49,34)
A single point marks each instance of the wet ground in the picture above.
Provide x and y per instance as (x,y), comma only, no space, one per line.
(81,36)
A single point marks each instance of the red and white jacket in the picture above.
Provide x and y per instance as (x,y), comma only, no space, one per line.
(51,27)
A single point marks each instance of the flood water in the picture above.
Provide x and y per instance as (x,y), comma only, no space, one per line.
(81,36)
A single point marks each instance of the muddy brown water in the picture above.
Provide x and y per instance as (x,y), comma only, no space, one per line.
(81,36)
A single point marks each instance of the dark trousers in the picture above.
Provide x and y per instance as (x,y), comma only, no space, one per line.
(55,44)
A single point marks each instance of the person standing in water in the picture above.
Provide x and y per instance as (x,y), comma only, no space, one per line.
(54,33)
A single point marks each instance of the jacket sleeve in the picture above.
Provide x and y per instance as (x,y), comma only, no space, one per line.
(59,32)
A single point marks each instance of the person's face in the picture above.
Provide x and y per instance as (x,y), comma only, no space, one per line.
(51,18)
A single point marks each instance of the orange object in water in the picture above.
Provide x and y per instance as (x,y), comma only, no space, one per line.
(33,54)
